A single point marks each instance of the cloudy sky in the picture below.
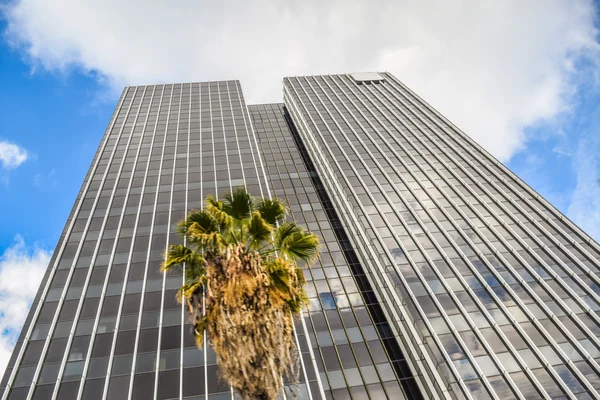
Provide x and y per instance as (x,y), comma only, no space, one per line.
(521,77)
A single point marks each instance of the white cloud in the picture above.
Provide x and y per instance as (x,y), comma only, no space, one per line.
(11,155)
(494,68)
(21,269)
(584,209)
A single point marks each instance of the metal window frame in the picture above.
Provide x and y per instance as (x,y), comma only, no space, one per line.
(148,251)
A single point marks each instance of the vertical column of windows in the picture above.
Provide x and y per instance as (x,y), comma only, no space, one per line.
(194,377)
(252,140)
(236,171)
(224,170)
(164,380)
(187,194)
(143,306)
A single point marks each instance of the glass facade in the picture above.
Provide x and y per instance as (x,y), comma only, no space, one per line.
(442,274)
(493,293)
(355,349)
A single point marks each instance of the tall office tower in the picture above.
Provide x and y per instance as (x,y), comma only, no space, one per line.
(491,291)
(442,275)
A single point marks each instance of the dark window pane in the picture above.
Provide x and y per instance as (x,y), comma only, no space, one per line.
(148,340)
(102,345)
(143,386)
(32,354)
(192,385)
(171,337)
(56,350)
(118,387)
(125,342)
(93,389)
(68,390)
(43,392)
(168,384)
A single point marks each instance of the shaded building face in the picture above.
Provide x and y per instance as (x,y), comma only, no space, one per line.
(442,274)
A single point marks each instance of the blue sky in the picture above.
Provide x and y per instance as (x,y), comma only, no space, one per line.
(520,77)
(59,120)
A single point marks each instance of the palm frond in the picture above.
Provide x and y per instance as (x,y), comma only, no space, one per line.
(238,204)
(301,245)
(208,241)
(202,221)
(258,229)
(300,276)
(285,230)
(298,302)
(189,290)
(272,210)
(203,230)
(288,282)
(194,273)
(179,254)
(215,208)
(279,276)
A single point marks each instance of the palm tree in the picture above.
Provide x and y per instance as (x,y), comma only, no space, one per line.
(241,258)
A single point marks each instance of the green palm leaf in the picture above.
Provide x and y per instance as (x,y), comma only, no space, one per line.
(284,231)
(208,241)
(199,328)
(301,246)
(179,254)
(195,273)
(238,204)
(272,210)
(279,276)
(215,208)
(201,221)
(258,229)
(189,290)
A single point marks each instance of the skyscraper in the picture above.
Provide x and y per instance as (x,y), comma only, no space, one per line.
(443,275)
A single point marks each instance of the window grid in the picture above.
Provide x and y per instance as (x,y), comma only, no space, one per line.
(408,162)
